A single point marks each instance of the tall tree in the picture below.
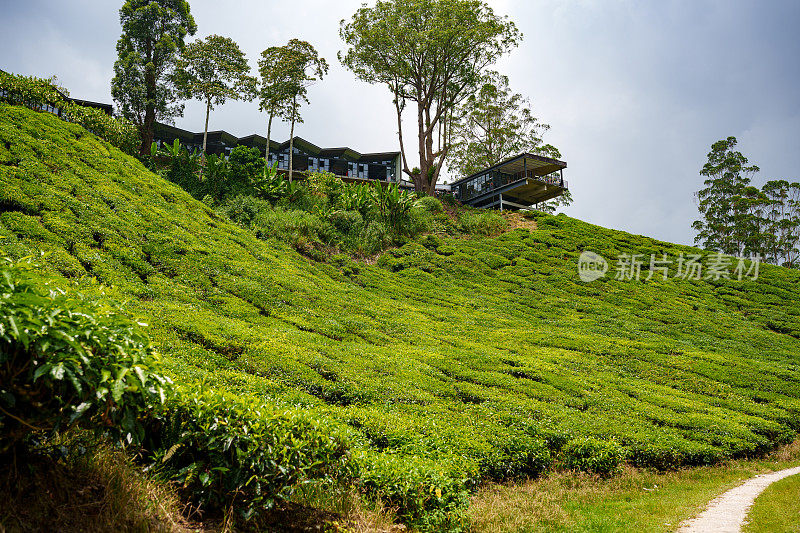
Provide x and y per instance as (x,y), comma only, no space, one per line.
(724,205)
(302,66)
(432,53)
(213,71)
(153,32)
(494,123)
(275,89)
(783,219)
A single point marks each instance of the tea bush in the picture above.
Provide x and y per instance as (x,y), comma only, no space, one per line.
(224,450)
(592,455)
(67,359)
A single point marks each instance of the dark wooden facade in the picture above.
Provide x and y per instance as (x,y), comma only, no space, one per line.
(521,181)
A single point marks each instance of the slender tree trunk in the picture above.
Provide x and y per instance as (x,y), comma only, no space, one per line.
(400,135)
(269,131)
(150,111)
(291,142)
(205,131)
(419,181)
(201,171)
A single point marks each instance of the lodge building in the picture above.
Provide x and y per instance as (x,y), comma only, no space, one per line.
(344,162)
(518,182)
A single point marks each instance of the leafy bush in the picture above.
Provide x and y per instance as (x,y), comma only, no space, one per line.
(67,359)
(246,165)
(482,223)
(40,94)
(592,455)
(431,204)
(222,449)
(243,209)
(425,495)
(347,221)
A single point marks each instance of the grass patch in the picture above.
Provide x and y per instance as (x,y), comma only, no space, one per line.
(635,500)
(777,509)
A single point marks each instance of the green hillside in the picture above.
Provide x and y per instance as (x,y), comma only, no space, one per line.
(450,360)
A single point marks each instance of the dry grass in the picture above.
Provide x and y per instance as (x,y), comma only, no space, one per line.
(517,220)
(96,492)
(635,500)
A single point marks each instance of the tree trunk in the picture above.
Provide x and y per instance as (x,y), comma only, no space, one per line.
(421,178)
(291,143)
(201,172)
(269,131)
(205,131)
(149,112)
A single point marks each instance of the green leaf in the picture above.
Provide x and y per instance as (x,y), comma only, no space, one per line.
(119,385)
(57,371)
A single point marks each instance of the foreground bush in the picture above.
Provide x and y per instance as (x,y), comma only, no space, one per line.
(224,450)
(66,359)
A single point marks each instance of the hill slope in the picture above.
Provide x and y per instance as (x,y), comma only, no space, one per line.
(477,357)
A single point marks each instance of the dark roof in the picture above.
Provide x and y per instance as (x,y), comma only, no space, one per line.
(107,108)
(255,139)
(540,164)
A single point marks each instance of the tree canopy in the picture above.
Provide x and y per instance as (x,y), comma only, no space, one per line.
(213,70)
(153,32)
(275,89)
(492,124)
(432,53)
(287,72)
(738,218)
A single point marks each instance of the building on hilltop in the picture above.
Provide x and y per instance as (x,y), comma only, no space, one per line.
(344,162)
(519,182)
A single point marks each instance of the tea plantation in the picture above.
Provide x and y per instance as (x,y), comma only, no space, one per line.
(449,361)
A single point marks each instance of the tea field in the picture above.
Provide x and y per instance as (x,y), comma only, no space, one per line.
(449,361)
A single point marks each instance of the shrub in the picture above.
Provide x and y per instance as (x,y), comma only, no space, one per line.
(243,209)
(431,204)
(246,164)
(592,455)
(374,238)
(296,227)
(223,449)
(425,495)
(483,223)
(346,221)
(67,359)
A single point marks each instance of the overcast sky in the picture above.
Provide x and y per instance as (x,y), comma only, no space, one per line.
(635,91)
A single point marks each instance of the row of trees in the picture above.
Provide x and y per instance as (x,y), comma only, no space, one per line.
(156,69)
(740,219)
(431,54)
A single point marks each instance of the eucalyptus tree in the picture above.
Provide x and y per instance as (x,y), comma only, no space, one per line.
(303,67)
(153,33)
(274,90)
(429,52)
(725,203)
(783,218)
(213,70)
(492,124)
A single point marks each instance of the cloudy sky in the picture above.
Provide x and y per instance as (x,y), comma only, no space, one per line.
(635,91)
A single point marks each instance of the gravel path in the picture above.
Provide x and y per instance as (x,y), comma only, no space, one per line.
(726,514)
